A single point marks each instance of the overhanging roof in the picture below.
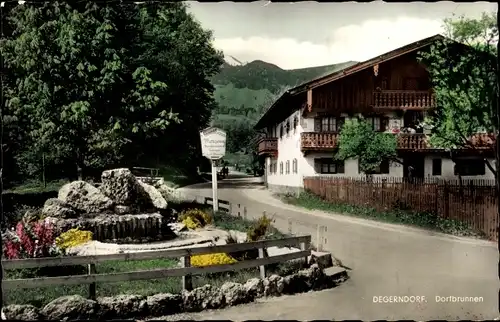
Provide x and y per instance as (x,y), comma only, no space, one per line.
(320,81)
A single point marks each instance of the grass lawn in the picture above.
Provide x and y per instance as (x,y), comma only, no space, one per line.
(42,296)
(34,186)
(403,217)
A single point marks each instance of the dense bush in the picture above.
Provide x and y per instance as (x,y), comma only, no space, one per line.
(260,228)
(72,238)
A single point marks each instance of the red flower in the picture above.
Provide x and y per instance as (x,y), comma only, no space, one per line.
(12,250)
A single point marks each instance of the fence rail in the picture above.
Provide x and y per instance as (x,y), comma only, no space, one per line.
(472,202)
(185,272)
(223,205)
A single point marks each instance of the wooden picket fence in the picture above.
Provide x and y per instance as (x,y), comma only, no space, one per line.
(473,202)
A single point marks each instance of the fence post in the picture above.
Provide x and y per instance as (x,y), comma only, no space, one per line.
(304,246)
(92,286)
(262,268)
(320,238)
(289,226)
(446,195)
(187,282)
(245,212)
(325,241)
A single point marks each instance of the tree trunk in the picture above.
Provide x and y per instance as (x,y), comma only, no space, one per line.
(79,171)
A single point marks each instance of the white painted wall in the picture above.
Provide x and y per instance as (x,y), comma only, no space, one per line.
(288,150)
(350,168)
(447,169)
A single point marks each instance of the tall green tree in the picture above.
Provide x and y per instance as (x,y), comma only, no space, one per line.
(463,72)
(96,82)
(358,140)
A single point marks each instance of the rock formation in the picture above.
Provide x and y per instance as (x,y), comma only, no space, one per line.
(121,209)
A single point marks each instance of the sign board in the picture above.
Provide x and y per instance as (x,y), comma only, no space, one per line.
(213,143)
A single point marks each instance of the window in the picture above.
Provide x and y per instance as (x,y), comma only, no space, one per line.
(470,167)
(270,168)
(288,167)
(287,127)
(281,167)
(331,124)
(295,166)
(328,165)
(375,123)
(295,124)
(383,168)
(281,131)
(436,167)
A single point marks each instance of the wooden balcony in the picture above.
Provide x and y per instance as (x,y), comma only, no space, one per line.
(327,141)
(268,146)
(316,141)
(417,141)
(403,100)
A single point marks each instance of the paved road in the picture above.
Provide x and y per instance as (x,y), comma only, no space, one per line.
(386,260)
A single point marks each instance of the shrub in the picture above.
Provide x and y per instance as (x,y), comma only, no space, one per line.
(260,228)
(192,223)
(30,240)
(72,238)
(195,218)
(212,259)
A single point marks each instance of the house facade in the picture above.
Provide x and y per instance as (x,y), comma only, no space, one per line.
(392,92)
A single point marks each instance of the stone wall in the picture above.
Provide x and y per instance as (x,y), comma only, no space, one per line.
(75,307)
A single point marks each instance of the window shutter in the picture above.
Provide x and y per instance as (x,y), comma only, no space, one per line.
(317,124)
(317,165)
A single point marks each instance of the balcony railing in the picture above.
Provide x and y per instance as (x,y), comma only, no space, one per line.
(318,140)
(327,141)
(403,100)
(268,146)
(414,141)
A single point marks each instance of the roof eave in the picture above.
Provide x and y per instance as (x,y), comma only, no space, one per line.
(262,122)
(362,65)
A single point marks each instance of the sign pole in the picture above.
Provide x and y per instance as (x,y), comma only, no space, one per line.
(213,147)
(214,186)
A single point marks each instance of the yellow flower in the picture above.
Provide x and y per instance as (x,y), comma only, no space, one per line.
(195,218)
(212,259)
(72,238)
(191,223)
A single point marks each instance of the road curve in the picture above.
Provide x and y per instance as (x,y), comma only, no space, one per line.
(386,260)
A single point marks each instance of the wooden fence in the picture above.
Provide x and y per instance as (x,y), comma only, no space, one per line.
(186,271)
(473,202)
(222,205)
(241,211)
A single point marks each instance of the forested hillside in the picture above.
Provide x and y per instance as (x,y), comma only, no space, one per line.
(244,92)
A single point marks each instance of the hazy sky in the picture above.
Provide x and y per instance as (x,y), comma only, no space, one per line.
(304,34)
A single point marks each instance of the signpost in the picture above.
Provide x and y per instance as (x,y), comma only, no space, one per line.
(213,147)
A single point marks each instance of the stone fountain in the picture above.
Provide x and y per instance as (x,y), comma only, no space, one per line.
(121,209)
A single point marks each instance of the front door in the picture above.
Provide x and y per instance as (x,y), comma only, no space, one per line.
(414,166)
